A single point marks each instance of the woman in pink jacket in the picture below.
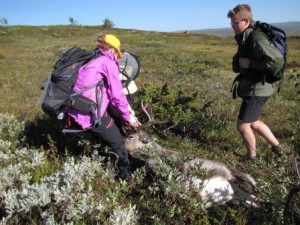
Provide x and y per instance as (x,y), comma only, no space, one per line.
(106,68)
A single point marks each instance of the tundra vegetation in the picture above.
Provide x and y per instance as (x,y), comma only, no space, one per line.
(51,178)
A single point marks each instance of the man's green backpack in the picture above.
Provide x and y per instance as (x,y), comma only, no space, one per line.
(278,38)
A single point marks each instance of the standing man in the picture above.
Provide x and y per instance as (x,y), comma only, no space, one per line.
(255,57)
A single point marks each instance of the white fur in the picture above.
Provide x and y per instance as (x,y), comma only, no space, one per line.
(215,189)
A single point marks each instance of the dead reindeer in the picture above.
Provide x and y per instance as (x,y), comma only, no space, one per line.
(219,185)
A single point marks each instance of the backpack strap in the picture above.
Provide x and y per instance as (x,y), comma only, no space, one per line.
(255,30)
(96,118)
(44,88)
(234,86)
(128,79)
(73,130)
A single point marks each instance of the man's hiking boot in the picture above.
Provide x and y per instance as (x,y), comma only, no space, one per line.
(277,150)
(250,158)
(254,158)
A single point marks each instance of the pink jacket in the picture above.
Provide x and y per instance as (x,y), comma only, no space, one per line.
(108,68)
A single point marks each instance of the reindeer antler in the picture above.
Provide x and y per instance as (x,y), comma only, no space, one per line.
(151,121)
(149,114)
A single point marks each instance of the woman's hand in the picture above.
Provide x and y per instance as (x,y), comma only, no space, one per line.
(135,124)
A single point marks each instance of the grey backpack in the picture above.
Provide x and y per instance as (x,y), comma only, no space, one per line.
(129,67)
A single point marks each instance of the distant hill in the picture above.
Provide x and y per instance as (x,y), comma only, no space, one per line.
(291,28)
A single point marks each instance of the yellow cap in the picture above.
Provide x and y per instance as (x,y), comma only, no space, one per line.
(114,42)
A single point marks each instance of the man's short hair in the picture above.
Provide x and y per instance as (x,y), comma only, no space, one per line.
(240,12)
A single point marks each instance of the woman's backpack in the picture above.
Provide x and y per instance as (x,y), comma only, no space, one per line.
(58,94)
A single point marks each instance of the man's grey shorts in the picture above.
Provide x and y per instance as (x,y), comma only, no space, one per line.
(251,108)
